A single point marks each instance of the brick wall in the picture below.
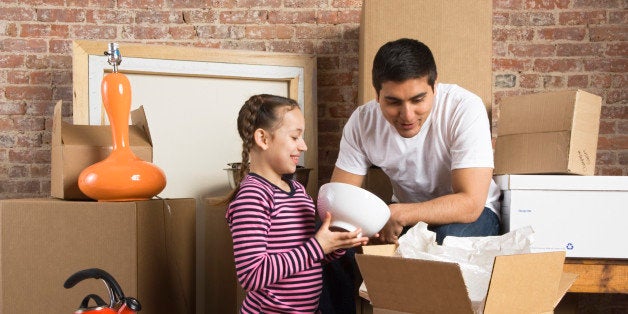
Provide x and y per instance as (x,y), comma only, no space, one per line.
(538,45)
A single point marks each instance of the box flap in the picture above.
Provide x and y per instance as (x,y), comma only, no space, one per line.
(138,119)
(525,283)
(99,135)
(566,281)
(413,285)
(562,182)
(380,250)
(536,113)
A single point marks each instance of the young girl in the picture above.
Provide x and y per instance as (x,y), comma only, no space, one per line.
(278,252)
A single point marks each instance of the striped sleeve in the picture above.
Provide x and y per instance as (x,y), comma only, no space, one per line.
(249,218)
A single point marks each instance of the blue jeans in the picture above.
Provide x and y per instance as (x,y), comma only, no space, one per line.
(486,225)
(341,277)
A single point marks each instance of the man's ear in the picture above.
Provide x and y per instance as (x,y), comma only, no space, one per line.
(261,138)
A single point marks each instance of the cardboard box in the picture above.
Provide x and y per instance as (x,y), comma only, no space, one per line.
(223,293)
(76,147)
(148,246)
(582,215)
(523,283)
(458,32)
(545,133)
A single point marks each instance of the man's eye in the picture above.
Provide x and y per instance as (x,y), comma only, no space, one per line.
(417,100)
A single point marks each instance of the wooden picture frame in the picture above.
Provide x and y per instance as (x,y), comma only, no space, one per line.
(188,72)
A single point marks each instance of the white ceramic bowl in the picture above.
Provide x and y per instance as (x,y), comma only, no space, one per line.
(352,207)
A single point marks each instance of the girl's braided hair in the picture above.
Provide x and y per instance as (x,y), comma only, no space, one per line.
(258,112)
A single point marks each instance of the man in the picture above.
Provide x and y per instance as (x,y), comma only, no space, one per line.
(433,141)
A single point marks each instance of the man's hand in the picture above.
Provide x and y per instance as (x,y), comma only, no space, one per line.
(391,231)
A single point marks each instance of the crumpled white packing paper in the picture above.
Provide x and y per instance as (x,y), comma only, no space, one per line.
(475,255)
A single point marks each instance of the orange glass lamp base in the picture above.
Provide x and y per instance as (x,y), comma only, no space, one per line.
(122,177)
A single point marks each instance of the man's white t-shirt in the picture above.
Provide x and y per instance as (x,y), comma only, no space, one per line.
(455,135)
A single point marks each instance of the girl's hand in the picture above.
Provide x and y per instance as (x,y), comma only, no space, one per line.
(334,240)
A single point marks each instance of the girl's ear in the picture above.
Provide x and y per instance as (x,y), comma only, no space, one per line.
(261,138)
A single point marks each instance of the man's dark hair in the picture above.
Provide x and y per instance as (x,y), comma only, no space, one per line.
(401,60)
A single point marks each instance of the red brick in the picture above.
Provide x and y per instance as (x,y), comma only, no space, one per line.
(182,32)
(284,31)
(618,17)
(11,61)
(40,77)
(8,29)
(243,45)
(557,65)
(609,171)
(25,123)
(617,49)
(223,3)
(305,3)
(24,45)
(607,127)
(36,62)
(614,112)
(319,32)
(92,3)
(141,4)
(579,49)
(330,125)
(546,4)
(292,46)
(244,17)
(335,79)
(110,16)
(291,17)
(346,3)
(619,80)
(608,33)
(338,17)
(330,94)
(199,16)
(507,4)
(500,18)
(158,17)
(350,63)
(605,158)
(606,65)
(145,32)
(61,15)
(513,34)
(28,156)
(11,108)
(260,32)
(553,81)
(597,4)
(189,4)
(39,171)
(95,32)
(617,96)
(532,19)
(17,77)
(568,33)
(61,62)
(28,92)
(532,50)
(328,62)
(578,81)
(582,18)
(18,14)
(40,30)
(6,124)
(529,81)
(41,2)
(613,142)
(500,49)
(260,4)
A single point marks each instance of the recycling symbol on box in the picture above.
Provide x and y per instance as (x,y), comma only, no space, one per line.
(569,246)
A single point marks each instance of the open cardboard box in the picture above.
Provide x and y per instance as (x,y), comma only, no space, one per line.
(76,147)
(522,283)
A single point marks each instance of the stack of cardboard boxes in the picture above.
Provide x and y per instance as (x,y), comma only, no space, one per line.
(147,246)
